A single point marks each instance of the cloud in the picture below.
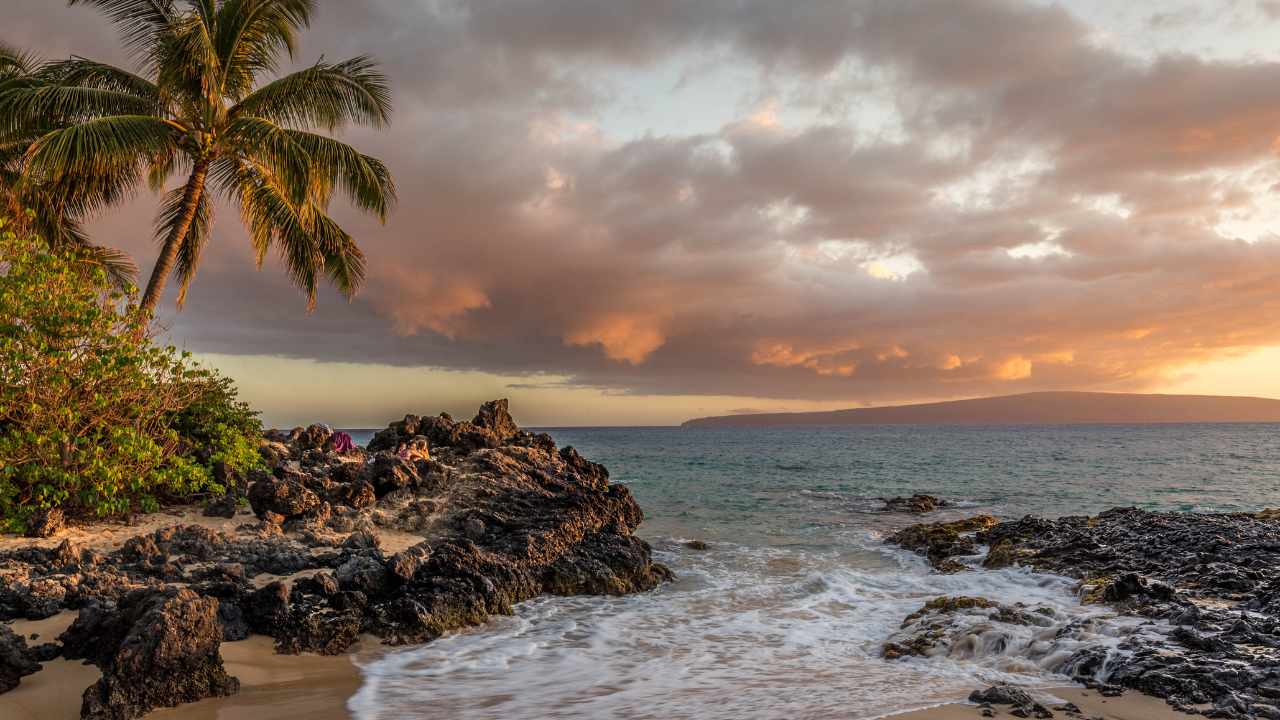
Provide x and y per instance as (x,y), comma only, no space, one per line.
(1069,216)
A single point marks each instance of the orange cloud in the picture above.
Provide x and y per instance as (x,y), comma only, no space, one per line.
(1014,369)
(415,299)
(623,338)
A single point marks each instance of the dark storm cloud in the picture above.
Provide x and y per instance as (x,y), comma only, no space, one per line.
(749,259)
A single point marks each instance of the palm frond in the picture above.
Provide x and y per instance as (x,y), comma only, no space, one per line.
(252,34)
(30,110)
(100,147)
(188,68)
(63,230)
(344,264)
(17,62)
(365,180)
(118,265)
(273,220)
(271,147)
(80,72)
(328,95)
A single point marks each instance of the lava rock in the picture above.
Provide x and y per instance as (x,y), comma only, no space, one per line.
(45,522)
(283,497)
(223,507)
(362,540)
(493,416)
(230,479)
(168,656)
(356,494)
(392,473)
(16,659)
(915,505)
(1001,694)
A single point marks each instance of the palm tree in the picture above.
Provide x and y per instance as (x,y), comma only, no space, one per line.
(55,212)
(198,107)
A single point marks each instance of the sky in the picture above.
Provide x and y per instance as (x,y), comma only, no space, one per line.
(636,212)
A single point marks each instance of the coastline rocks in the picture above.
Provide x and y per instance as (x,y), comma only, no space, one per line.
(499,516)
(939,542)
(223,507)
(493,416)
(962,623)
(916,504)
(16,659)
(1005,694)
(1203,591)
(167,656)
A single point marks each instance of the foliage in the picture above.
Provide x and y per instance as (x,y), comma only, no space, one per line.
(57,209)
(85,396)
(214,421)
(202,106)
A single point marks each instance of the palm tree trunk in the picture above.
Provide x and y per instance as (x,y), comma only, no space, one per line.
(169,254)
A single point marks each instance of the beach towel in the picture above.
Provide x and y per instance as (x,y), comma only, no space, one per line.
(342,442)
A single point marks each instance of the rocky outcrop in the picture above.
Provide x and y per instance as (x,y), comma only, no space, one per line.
(942,542)
(16,659)
(1004,694)
(1209,585)
(282,495)
(493,416)
(158,650)
(916,504)
(500,514)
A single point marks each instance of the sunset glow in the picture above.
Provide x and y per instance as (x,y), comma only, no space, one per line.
(639,213)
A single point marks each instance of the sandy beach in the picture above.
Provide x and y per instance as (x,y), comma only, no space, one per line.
(273,687)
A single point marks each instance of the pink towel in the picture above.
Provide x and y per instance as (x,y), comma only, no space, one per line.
(342,442)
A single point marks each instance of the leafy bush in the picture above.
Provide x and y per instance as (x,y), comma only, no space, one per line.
(86,398)
(220,427)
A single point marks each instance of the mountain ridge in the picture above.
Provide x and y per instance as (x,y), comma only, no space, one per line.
(1035,408)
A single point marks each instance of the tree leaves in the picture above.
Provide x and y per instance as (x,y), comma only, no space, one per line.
(193,104)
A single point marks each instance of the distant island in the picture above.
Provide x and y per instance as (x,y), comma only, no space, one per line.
(1031,409)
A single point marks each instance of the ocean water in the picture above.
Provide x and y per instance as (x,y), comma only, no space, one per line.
(785,614)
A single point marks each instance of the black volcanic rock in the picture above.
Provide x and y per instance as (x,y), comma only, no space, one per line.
(16,659)
(286,497)
(1155,565)
(493,416)
(44,522)
(160,651)
(916,504)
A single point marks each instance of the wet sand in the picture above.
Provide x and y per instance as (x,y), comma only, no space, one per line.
(1130,706)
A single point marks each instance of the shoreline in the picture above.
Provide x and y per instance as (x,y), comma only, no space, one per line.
(316,687)
(308,686)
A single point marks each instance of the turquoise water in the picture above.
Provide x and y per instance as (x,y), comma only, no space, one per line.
(783,617)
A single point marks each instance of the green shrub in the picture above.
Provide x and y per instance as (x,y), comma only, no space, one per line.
(86,398)
(220,427)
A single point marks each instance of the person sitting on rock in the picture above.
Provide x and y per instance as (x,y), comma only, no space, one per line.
(415,450)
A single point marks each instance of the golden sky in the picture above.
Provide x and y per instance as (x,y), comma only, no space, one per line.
(628,212)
